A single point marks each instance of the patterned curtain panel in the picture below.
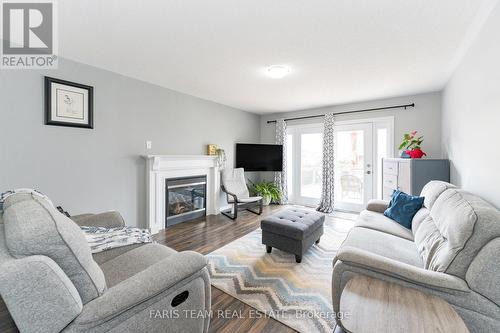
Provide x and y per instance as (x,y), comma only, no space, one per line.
(327,192)
(280,177)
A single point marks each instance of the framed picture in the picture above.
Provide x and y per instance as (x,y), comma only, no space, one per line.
(68,103)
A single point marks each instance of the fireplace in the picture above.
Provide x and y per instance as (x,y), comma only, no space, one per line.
(159,168)
(185,199)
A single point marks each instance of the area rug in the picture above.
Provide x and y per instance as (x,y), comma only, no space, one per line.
(298,295)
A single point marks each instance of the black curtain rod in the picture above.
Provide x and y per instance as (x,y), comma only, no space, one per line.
(405,106)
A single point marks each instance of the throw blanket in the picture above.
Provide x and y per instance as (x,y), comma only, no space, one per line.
(102,239)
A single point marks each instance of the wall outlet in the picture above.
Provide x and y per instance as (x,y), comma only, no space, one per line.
(149,144)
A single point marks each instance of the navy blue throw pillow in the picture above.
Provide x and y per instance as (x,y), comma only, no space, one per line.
(403,207)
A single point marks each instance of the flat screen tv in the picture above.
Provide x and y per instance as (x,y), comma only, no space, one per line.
(259,157)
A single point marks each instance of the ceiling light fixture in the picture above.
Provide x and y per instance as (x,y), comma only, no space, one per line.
(278,71)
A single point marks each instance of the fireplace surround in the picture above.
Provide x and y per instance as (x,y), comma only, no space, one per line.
(160,168)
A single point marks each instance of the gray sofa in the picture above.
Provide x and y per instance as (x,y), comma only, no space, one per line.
(452,251)
(51,282)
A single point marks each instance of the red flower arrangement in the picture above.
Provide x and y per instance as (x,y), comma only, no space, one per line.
(411,145)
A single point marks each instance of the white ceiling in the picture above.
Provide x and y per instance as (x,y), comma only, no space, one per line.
(340,51)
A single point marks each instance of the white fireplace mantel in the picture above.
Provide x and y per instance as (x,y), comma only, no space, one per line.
(162,167)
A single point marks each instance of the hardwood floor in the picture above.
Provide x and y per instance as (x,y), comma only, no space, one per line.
(206,235)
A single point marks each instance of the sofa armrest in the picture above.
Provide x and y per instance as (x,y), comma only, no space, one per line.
(377,206)
(39,295)
(421,276)
(80,216)
(141,287)
(110,219)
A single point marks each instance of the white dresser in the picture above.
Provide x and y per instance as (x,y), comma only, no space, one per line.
(410,175)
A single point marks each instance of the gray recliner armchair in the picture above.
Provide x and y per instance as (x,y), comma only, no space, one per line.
(51,282)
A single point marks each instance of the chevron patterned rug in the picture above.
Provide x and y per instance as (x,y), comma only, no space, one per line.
(298,295)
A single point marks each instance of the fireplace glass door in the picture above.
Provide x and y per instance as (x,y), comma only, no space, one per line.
(185,199)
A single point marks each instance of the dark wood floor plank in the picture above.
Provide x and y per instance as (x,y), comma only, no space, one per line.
(205,235)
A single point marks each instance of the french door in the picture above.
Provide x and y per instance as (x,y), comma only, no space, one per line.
(359,149)
(304,163)
(353,166)
(360,146)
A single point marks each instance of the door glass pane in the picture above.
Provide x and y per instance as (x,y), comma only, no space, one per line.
(310,165)
(349,167)
(289,164)
(381,153)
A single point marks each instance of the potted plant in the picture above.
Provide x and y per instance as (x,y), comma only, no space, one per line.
(269,191)
(410,147)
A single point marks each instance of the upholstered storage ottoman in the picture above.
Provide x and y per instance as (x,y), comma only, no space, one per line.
(292,230)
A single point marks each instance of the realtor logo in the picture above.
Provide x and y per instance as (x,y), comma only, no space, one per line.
(28,35)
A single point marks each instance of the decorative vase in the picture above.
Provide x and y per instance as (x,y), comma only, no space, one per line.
(416,153)
(266,200)
(404,154)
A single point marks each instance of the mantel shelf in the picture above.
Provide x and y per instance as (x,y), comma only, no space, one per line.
(180,157)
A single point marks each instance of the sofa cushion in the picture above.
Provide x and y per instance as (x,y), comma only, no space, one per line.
(376,221)
(484,272)
(104,256)
(403,208)
(132,262)
(419,217)
(429,241)
(486,228)
(383,244)
(234,182)
(458,226)
(230,199)
(432,190)
(34,227)
(4,252)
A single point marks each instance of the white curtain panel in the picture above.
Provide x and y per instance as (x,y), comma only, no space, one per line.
(280,177)
(327,191)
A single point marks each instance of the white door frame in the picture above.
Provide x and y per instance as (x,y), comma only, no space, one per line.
(376,123)
(366,167)
(296,131)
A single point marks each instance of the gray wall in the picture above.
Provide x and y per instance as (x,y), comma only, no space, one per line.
(101,169)
(471,115)
(425,117)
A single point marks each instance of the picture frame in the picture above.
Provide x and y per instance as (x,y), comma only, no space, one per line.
(211,150)
(68,103)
